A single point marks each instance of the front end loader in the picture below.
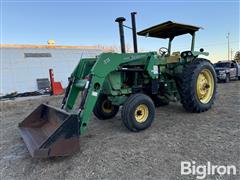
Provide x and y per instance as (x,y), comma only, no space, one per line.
(139,82)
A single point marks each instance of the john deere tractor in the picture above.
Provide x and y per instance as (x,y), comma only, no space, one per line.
(137,82)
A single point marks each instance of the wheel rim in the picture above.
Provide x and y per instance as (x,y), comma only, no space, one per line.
(141,113)
(205,86)
(106,106)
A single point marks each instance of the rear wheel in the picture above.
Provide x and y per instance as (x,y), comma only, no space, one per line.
(138,112)
(104,109)
(198,86)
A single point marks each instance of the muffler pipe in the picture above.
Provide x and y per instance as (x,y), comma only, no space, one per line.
(120,21)
(134,33)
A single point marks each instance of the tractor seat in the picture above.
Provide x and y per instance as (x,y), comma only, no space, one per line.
(174,58)
(177,53)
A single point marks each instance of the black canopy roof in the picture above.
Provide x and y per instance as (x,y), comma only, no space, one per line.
(168,29)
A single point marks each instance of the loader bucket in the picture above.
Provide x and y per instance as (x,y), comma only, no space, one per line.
(49,131)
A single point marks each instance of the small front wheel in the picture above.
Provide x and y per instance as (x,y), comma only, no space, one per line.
(138,112)
(104,109)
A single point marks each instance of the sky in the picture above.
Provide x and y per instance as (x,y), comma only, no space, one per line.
(76,22)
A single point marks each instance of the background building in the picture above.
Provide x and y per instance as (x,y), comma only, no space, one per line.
(21,65)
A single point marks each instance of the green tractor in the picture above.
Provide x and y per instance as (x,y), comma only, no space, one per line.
(137,82)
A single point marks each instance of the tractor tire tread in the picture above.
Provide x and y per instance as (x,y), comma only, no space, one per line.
(127,108)
(187,88)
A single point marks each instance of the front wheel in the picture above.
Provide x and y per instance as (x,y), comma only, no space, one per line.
(138,112)
(104,109)
(198,86)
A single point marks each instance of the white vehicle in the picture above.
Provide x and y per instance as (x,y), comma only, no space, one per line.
(227,70)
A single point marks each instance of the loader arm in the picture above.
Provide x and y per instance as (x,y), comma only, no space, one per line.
(91,87)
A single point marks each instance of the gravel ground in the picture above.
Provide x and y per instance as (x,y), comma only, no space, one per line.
(110,151)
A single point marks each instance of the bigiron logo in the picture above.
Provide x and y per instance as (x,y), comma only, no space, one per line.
(203,170)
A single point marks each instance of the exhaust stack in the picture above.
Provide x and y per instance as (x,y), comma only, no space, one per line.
(134,33)
(120,21)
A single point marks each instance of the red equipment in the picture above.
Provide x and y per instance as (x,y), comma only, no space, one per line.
(55,86)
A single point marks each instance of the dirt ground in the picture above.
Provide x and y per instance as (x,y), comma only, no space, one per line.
(110,151)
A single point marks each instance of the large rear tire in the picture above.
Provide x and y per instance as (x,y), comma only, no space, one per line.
(198,85)
(104,109)
(138,112)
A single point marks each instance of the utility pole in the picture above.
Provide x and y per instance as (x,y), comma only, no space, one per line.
(228,37)
(232,53)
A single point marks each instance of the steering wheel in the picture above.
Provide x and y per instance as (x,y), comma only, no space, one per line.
(163,51)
